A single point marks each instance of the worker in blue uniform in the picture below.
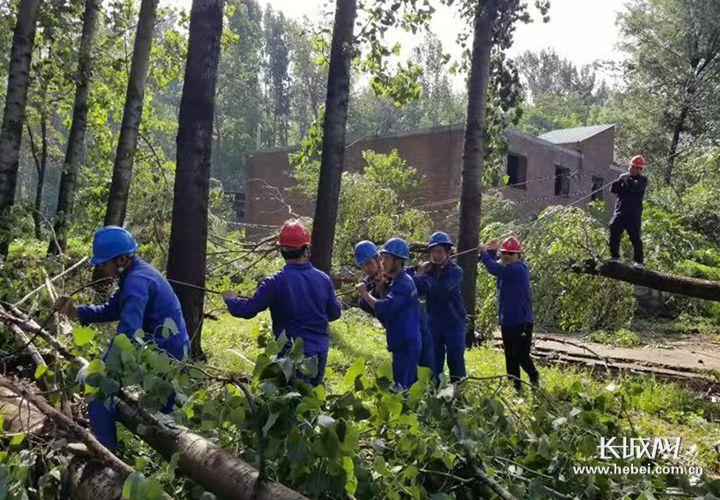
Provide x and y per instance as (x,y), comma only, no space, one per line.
(515,312)
(300,297)
(143,302)
(398,312)
(440,282)
(367,257)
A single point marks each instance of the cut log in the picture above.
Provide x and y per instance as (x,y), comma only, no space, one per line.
(214,468)
(681,285)
(92,480)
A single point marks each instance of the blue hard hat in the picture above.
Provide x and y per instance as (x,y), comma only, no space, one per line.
(397,247)
(110,242)
(439,238)
(364,251)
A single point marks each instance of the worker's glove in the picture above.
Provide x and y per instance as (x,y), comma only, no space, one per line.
(361,288)
(65,306)
(232,294)
(81,374)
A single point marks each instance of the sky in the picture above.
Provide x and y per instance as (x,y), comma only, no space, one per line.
(582,31)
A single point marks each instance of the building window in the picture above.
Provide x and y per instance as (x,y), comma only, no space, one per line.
(562,181)
(517,171)
(597,183)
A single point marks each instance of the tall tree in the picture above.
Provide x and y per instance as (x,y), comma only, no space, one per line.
(76,138)
(278,78)
(14,113)
(333,144)
(188,234)
(472,159)
(675,56)
(545,72)
(40,157)
(132,114)
(308,75)
(492,90)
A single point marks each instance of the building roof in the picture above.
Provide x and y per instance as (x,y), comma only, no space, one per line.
(578,134)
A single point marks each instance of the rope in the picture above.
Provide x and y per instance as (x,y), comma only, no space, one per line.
(535,221)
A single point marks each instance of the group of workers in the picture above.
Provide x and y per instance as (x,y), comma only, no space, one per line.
(420,308)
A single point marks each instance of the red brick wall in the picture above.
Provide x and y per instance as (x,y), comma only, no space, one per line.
(436,154)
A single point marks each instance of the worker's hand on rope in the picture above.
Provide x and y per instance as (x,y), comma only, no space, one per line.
(231,294)
(492,246)
(361,288)
(424,267)
(66,306)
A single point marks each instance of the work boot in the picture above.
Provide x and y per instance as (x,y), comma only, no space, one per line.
(638,265)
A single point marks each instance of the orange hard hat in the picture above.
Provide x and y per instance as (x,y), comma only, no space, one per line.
(293,235)
(637,162)
(511,245)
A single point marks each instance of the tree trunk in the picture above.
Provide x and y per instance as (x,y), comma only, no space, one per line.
(333,145)
(681,285)
(216,469)
(76,138)
(188,234)
(92,480)
(14,113)
(41,167)
(132,114)
(472,159)
(679,127)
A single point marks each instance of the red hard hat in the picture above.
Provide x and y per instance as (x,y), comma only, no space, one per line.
(637,161)
(511,245)
(293,235)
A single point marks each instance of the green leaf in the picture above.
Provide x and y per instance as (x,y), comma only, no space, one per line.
(169,328)
(83,335)
(17,439)
(40,371)
(354,371)
(122,342)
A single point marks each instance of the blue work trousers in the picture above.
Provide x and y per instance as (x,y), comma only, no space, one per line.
(450,342)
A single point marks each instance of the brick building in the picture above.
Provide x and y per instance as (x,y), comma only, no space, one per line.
(558,167)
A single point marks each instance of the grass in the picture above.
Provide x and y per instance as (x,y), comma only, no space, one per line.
(654,408)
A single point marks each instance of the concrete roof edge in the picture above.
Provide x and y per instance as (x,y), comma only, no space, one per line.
(538,140)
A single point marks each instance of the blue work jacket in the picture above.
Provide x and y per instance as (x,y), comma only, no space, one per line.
(143,301)
(513,285)
(443,298)
(399,313)
(302,302)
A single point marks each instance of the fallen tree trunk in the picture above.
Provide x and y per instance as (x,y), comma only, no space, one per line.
(681,285)
(211,466)
(92,480)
